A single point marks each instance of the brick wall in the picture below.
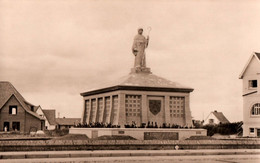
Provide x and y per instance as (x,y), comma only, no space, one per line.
(26,120)
(59,145)
(6,117)
(32,123)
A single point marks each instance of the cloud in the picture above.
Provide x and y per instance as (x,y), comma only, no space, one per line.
(58,49)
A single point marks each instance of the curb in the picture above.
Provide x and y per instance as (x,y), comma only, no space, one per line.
(89,154)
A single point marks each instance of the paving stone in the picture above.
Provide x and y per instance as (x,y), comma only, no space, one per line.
(37,156)
(120,154)
(59,155)
(100,155)
(80,155)
(142,154)
(13,156)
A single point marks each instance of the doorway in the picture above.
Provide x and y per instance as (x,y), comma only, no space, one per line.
(6,126)
(16,126)
(258,132)
(42,125)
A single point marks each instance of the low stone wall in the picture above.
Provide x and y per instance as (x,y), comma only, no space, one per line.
(141,133)
(59,145)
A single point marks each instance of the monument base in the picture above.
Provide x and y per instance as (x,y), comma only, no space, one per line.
(141,133)
(141,70)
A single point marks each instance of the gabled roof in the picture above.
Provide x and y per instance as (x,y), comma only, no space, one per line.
(67,121)
(50,116)
(220,116)
(7,90)
(31,106)
(254,55)
(141,81)
(37,107)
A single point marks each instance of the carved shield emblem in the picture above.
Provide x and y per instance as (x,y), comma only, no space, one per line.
(155,106)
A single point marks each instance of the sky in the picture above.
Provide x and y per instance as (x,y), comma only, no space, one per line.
(53,50)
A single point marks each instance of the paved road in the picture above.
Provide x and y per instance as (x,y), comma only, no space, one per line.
(136,156)
(148,159)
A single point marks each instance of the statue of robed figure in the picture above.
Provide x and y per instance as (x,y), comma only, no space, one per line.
(138,49)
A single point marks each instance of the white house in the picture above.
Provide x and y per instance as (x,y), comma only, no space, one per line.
(38,110)
(49,116)
(50,119)
(215,117)
(251,96)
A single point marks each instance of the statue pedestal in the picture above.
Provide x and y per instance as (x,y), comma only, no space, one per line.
(141,70)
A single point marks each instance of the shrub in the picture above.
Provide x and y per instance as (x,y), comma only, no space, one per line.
(57,132)
(223,129)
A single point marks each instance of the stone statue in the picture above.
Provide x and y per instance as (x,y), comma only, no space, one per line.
(138,49)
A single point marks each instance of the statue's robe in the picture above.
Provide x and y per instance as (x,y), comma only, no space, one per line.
(138,48)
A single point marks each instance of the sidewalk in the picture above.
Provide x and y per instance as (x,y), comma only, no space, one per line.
(124,153)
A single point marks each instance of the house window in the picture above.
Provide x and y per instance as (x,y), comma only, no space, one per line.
(16,126)
(177,106)
(211,121)
(251,130)
(252,84)
(255,110)
(13,110)
(6,126)
(133,105)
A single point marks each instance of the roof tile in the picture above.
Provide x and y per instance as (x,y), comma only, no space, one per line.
(220,116)
(142,79)
(50,115)
(7,90)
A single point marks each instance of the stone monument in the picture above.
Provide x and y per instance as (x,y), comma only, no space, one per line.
(139,97)
(139,45)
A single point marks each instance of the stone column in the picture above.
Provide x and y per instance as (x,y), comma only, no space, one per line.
(102,110)
(187,117)
(95,111)
(84,118)
(91,111)
(121,110)
(88,111)
(116,116)
(110,109)
(144,117)
(167,109)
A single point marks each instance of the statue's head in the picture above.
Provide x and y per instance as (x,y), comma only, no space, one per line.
(140,31)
